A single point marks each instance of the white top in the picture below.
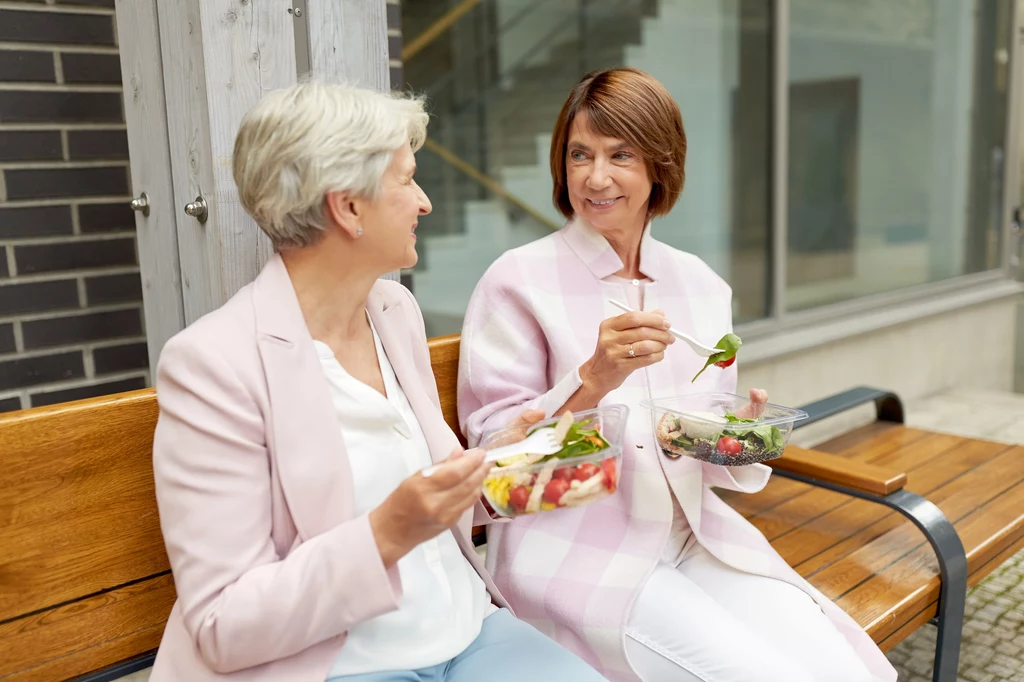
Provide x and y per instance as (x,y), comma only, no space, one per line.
(680,537)
(444,601)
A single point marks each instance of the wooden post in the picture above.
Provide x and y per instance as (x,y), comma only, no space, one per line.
(144,111)
(216,59)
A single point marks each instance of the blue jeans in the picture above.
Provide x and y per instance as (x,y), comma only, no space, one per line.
(506,650)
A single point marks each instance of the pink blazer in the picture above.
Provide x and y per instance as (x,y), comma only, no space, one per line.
(575,573)
(255,491)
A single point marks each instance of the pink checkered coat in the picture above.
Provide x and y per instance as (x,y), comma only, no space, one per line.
(574,574)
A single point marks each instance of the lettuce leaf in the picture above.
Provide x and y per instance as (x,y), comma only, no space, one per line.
(772,438)
(730,345)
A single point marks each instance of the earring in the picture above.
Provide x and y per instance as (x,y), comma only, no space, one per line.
(359,232)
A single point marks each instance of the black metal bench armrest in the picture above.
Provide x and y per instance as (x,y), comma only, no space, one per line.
(888,406)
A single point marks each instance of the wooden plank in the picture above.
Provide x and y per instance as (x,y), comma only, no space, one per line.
(77,501)
(829,536)
(845,472)
(907,628)
(846,444)
(219,58)
(87,635)
(907,586)
(146,115)
(444,361)
(184,71)
(957,499)
(249,50)
(775,493)
(780,491)
(348,42)
(875,436)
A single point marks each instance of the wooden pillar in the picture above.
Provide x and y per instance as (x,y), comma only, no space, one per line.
(191,69)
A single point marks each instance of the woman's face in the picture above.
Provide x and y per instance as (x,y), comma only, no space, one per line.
(389,221)
(607,179)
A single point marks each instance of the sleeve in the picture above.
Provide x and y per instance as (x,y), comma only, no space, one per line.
(503,362)
(244,604)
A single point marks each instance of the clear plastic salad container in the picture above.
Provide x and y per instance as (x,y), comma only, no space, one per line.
(705,426)
(584,471)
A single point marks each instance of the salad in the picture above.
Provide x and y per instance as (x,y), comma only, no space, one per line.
(583,471)
(728,440)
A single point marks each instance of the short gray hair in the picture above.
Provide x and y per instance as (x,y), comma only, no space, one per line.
(301,142)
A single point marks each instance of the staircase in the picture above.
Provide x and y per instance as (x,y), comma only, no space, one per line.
(499,119)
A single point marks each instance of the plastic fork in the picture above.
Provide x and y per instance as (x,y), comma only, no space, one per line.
(540,442)
(698,347)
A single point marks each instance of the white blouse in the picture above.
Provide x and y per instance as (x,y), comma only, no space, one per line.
(444,601)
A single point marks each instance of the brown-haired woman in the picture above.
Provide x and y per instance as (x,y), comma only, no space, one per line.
(663,581)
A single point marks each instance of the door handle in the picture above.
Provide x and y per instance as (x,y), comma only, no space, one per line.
(141,204)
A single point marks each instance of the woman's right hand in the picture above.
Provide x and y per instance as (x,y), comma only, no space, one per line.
(611,363)
(425,506)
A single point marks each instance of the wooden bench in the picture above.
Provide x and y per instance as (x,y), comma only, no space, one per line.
(85,587)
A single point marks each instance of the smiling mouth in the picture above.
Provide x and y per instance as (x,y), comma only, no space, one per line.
(603,202)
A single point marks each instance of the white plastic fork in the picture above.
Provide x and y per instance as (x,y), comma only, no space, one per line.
(698,347)
(540,442)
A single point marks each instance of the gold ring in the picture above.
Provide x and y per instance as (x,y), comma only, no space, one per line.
(631,353)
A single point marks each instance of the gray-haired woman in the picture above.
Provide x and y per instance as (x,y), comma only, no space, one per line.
(294,421)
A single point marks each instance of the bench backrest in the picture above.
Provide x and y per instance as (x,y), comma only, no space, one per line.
(84,580)
(444,360)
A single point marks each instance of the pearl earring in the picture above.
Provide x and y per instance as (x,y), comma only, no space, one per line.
(359,232)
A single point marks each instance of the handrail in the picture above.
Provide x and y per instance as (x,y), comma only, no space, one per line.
(490,183)
(437,28)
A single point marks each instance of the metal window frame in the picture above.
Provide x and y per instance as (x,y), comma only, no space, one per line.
(1013,183)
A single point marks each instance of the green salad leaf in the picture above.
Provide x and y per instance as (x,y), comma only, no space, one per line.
(579,441)
(730,345)
(772,438)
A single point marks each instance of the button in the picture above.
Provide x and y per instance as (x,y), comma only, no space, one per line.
(636,282)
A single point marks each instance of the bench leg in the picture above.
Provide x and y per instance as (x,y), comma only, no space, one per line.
(949,551)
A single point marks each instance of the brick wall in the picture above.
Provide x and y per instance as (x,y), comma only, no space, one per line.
(71,322)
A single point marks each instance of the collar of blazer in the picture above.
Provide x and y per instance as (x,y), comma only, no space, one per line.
(305,442)
(599,256)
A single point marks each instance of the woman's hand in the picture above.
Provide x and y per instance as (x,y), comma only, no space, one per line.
(425,506)
(755,408)
(643,332)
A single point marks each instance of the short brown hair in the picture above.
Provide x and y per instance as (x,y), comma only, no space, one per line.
(632,106)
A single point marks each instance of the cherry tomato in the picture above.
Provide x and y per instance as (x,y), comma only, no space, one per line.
(726,363)
(585,471)
(563,474)
(554,490)
(611,478)
(518,497)
(727,445)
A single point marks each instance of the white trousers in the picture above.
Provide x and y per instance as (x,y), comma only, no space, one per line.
(704,621)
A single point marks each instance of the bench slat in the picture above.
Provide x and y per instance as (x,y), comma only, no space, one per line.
(77,503)
(858,523)
(998,524)
(444,361)
(86,635)
(876,435)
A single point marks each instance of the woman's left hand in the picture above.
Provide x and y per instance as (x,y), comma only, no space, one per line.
(755,408)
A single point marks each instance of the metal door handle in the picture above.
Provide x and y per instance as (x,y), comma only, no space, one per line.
(197,209)
(141,204)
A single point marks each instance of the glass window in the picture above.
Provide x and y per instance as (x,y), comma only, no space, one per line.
(497,80)
(897,120)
